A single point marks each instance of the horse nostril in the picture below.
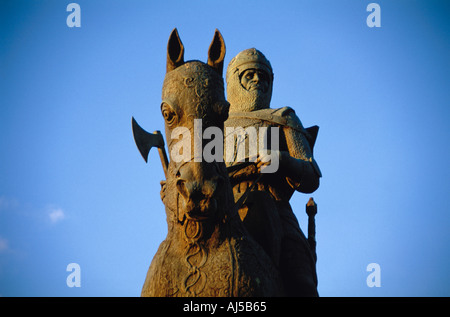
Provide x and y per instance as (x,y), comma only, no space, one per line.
(181,187)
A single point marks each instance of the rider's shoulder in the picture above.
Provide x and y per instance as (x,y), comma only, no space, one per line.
(289,115)
(284,111)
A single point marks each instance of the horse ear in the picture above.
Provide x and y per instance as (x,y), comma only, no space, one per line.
(216,52)
(175,51)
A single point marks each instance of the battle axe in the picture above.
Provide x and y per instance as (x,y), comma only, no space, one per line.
(145,141)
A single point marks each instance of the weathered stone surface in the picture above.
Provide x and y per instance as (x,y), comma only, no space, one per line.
(266,211)
(231,229)
(207,251)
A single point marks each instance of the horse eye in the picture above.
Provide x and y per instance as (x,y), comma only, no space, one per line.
(168,114)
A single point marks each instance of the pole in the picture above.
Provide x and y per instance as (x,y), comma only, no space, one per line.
(311,211)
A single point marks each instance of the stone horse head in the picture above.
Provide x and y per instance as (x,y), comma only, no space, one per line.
(207,251)
(194,91)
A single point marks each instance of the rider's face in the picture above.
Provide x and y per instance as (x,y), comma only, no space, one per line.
(253,79)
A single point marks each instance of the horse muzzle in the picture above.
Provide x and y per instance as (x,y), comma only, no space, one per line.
(197,198)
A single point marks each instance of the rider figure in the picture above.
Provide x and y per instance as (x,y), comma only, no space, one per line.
(265,210)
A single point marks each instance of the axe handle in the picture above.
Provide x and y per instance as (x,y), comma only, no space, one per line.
(164,160)
(162,153)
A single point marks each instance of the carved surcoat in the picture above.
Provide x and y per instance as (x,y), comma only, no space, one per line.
(293,137)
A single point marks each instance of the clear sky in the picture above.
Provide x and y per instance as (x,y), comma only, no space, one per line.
(74,188)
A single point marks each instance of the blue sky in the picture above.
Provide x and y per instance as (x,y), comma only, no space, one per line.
(74,188)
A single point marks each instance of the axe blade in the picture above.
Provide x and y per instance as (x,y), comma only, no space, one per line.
(144,140)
